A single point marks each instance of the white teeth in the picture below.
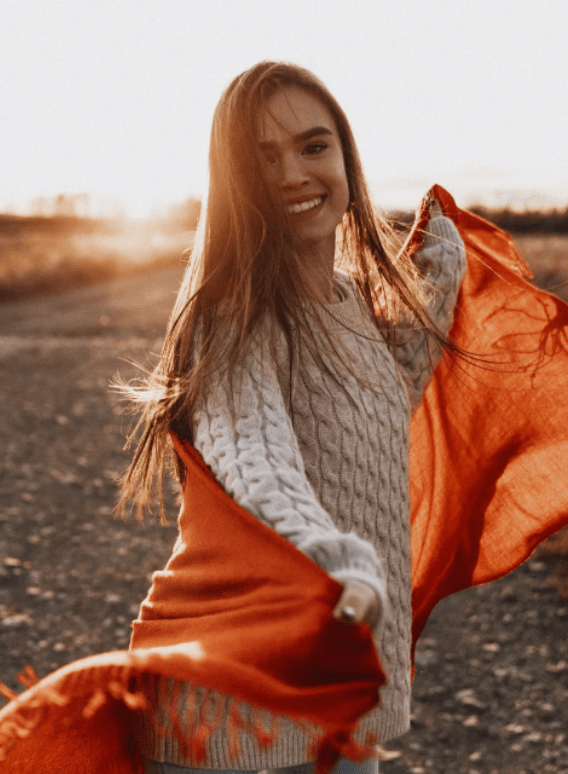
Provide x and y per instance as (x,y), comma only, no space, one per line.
(294,209)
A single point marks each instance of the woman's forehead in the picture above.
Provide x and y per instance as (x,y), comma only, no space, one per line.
(292,112)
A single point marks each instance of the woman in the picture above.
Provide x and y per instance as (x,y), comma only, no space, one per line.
(299,344)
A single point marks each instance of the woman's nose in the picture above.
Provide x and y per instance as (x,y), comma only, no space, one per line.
(292,171)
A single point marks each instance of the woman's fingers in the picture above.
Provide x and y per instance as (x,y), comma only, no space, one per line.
(357,603)
(435,208)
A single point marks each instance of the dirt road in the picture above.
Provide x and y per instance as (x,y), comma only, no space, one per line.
(491,692)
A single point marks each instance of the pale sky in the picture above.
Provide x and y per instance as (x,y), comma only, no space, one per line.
(115,97)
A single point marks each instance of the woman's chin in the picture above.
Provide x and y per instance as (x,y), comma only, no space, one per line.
(317,242)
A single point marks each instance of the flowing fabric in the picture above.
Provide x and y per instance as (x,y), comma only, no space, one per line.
(260,615)
(489,442)
(238,610)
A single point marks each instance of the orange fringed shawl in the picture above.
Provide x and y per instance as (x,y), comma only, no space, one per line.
(239,610)
(488,451)
(489,443)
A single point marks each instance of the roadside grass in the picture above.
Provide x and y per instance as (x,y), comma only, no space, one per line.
(36,261)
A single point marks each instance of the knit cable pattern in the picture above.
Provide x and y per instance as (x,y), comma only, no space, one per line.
(332,476)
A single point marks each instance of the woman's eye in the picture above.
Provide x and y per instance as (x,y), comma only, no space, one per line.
(315,148)
(271,159)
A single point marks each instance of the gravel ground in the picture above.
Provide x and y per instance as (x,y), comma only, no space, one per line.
(491,688)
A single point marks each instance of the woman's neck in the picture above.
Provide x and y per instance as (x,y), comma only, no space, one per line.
(320,266)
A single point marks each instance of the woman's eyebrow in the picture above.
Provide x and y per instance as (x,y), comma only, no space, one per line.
(301,137)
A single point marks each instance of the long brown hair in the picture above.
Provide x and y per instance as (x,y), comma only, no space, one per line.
(245,266)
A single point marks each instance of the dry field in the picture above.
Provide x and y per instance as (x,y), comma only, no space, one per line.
(547,256)
(491,690)
(46,259)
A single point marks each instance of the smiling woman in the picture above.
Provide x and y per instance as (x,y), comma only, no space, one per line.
(295,382)
(304,153)
(279,634)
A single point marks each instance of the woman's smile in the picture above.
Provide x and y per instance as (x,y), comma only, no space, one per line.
(308,207)
(304,155)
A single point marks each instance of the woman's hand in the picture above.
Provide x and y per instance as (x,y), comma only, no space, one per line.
(435,208)
(358,603)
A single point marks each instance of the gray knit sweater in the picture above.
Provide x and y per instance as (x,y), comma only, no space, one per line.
(331,475)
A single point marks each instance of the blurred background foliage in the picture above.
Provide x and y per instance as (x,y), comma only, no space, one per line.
(61,246)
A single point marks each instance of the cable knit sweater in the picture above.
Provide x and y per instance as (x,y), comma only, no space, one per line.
(331,474)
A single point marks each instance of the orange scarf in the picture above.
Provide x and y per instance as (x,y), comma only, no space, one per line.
(489,445)
(241,611)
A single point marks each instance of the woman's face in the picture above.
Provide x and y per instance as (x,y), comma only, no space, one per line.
(303,151)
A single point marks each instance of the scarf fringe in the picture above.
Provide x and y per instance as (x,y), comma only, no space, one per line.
(203,712)
(27,678)
(207,711)
(193,713)
(113,683)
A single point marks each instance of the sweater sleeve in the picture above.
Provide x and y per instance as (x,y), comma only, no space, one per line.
(442,262)
(245,436)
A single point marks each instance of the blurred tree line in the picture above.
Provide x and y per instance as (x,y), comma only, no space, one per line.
(68,214)
(553,221)
(526,221)
(61,245)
